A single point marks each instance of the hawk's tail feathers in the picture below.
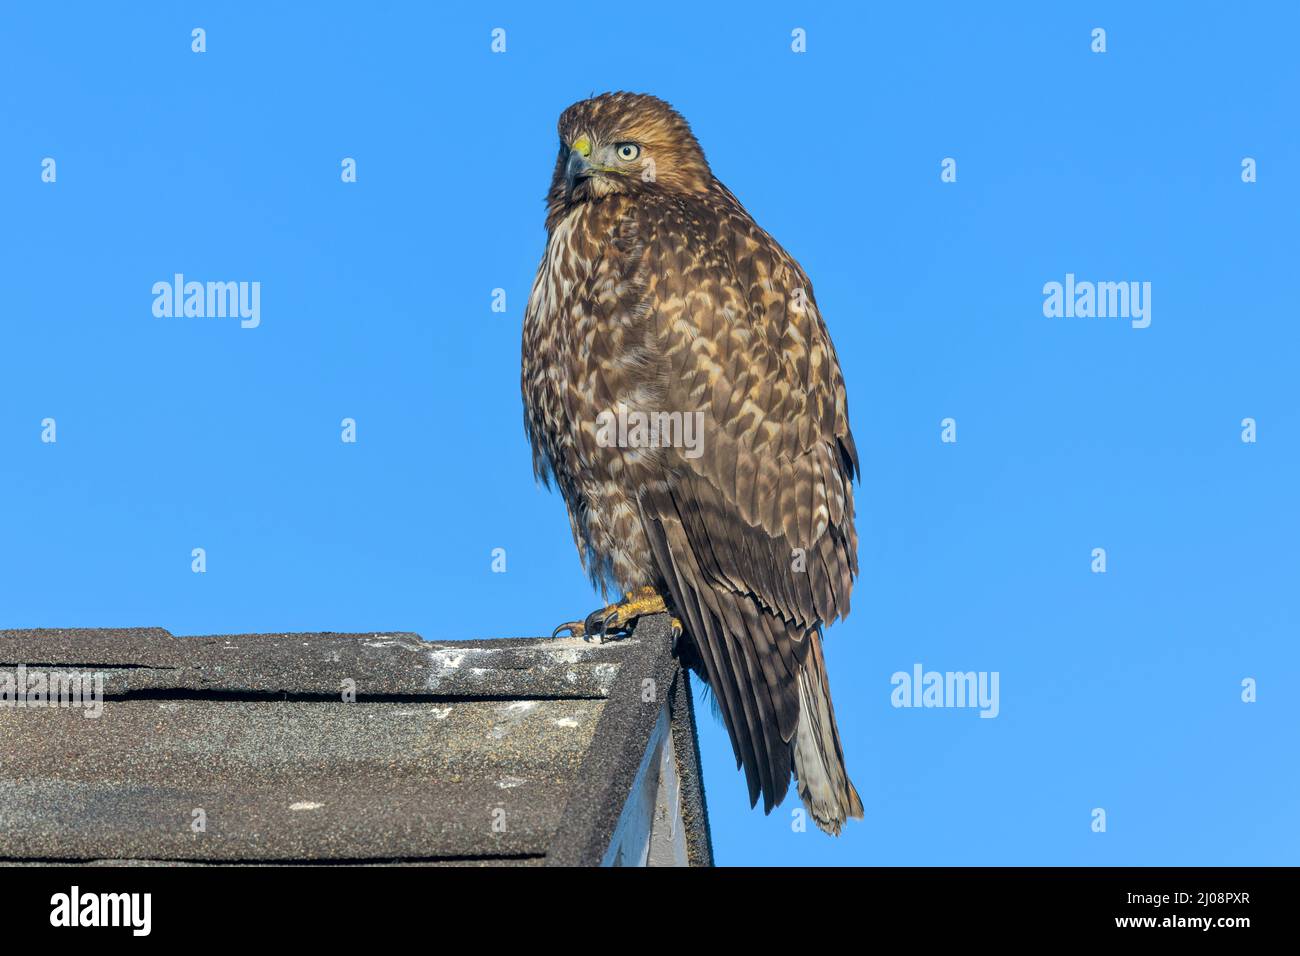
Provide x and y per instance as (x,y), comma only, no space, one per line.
(824,785)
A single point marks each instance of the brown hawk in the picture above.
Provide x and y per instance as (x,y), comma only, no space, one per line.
(681,389)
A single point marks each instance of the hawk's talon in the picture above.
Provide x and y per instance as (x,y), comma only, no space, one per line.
(617,620)
(602,624)
(678,631)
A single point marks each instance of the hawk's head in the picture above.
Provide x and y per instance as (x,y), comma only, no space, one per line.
(621,143)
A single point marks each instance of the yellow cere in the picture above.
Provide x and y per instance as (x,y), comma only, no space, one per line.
(583,145)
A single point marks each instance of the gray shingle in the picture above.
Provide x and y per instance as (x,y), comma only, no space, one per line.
(519,750)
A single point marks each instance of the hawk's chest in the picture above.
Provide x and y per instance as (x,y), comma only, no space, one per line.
(586,328)
(558,301)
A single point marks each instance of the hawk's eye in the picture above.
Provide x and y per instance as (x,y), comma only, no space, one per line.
(628,151)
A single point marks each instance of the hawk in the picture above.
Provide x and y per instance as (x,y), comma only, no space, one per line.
(681,390)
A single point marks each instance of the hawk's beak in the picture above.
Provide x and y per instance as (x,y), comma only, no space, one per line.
(575,169)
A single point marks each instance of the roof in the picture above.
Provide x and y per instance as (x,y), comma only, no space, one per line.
(514,751)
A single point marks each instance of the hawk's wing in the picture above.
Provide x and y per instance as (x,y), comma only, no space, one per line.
(754,536)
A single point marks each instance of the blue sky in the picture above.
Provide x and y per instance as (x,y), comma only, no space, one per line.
(1119,691)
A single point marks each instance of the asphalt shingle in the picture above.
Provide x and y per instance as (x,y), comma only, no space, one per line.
(511,751)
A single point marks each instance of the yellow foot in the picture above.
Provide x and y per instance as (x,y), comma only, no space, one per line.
(616,619)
